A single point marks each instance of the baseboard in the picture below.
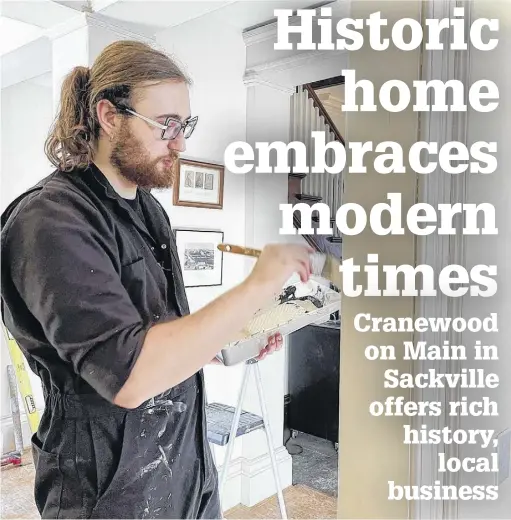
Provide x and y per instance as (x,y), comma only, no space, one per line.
(251,481)
(257,479)
(7,442)
(252,468)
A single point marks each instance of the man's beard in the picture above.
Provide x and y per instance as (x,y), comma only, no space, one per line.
(134,164)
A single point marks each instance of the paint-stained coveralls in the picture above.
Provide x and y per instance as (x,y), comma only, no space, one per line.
(85,274)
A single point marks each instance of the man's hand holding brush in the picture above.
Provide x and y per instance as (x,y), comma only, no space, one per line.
(175,350)
(278,262)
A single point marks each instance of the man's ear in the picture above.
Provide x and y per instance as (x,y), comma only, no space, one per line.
(107,117)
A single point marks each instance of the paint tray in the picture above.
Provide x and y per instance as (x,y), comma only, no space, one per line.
(249,347)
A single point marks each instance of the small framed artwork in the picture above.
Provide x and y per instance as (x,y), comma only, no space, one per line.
(199,185)
(201,260)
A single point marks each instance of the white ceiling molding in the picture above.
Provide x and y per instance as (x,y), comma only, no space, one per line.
(265,32)
(260,34)
(251,79)
(291,62)
(269,30)
(77,5)
(95,20)
(159,15)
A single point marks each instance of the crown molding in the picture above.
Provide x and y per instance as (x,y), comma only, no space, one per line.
(269,31)
(265,32)
(94,20)
(292,62)
(253,79)
(97,20)
(260,34)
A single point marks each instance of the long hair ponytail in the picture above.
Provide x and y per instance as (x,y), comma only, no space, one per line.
(121,67)
(69,143)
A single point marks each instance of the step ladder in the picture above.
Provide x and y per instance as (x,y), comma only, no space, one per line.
(226,423)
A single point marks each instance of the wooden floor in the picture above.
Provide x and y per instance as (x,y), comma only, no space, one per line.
(301,502)
(17,490)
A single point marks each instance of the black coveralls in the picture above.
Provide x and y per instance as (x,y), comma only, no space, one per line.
(83,279)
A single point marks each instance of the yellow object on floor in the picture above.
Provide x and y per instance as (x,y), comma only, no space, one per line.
(23,380)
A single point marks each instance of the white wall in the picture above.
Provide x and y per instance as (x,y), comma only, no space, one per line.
(26,118)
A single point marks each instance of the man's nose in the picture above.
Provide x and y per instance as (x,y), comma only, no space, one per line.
(178,144)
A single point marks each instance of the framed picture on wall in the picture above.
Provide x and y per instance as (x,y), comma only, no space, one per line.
(199,185)
(201,261)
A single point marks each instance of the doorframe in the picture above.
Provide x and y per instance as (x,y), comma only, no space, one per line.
(438,252)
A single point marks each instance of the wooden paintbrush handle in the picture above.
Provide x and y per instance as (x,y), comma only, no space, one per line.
(239,250)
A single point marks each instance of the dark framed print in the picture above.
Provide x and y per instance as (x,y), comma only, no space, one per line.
(199,185)
(201,260)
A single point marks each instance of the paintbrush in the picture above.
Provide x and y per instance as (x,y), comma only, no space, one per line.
(323,266)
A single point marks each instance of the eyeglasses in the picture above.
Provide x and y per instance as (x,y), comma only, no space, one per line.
(171,128)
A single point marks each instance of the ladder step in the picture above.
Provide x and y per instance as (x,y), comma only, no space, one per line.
(308,198)
(334,240)
(219,418)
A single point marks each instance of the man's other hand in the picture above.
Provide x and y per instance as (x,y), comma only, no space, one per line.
(274,344)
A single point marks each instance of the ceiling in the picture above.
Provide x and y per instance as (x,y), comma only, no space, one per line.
(22,21)
(169,13)
(160,15)
(40,13)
